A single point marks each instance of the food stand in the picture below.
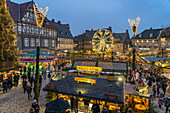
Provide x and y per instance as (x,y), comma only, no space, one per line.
(100,90)
(137,99)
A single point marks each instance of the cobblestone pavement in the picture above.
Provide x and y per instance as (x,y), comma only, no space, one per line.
(155,102)
(15,101)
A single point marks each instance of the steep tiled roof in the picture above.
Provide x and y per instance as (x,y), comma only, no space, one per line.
(23,8)
(63,30)
(14,10)
(99,90)
(146,34)
(17,12)
(121,36)
(49,24)
(89,35)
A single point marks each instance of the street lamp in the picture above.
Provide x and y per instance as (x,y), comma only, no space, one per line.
(40,14)
(134,26)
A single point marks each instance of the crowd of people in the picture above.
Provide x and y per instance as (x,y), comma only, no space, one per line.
(157,84)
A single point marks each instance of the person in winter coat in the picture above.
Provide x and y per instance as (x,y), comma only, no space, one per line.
(10,82)
(96,108)
(40,79)
(164,85)
(158,86)
(154,89)
(160,100)
(16,80)
(29,90)
(5,85)
(24,77)
(167,104)
(31,110)
(49,76)
(24,84)
(29,75)
(31,80)
(35,106)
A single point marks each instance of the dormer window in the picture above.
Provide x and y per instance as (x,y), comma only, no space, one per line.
(151,35)
(47,23)
(61,32)
(66,33)
(140,35)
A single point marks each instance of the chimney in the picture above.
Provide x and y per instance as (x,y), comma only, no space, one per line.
(87,31)
(91,29)
(151,28)
(110,28)
(53,20)
(59,22)
(126,30)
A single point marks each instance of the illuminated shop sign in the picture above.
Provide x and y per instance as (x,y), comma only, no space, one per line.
(86,80)
(88,68)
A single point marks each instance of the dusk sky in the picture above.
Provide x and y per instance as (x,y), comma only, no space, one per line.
(84,15)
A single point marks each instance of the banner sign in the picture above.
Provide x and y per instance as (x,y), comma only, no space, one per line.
(78,79)
(88,68)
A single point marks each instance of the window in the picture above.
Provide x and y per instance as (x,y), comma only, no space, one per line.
(151,35)
(45,42)
(61,32)
(140,35)
(37,42)
(37,30)
(32,42)
(26,42)
(32,30)
(152,41)
(28,29)
(53,43)
(66,33)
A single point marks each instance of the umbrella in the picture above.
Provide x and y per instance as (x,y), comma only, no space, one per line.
(57,106)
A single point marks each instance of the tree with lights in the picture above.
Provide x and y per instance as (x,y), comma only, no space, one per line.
(9,53)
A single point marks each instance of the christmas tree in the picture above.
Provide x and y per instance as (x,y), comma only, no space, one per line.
(9,53)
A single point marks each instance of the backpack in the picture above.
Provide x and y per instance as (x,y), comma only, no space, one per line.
(167,103)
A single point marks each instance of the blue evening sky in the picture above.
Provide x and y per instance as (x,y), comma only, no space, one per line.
(95,14)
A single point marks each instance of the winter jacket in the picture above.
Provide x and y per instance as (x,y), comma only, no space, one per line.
(29,89)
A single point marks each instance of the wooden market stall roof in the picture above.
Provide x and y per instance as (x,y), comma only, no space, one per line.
(101,89)
(107,66)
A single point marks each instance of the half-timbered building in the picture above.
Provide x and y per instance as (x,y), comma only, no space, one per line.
(30,36)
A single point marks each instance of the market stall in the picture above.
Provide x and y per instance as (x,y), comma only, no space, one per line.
(96,90)
(46,60)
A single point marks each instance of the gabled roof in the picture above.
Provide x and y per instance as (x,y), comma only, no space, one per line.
(88,35)
(146,34)
(122,36)
(165,32)
(14,10)
(24,7)
(17,12)
(63,30)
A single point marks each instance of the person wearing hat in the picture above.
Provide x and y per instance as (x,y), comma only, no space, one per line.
(35,106)
(31,110)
